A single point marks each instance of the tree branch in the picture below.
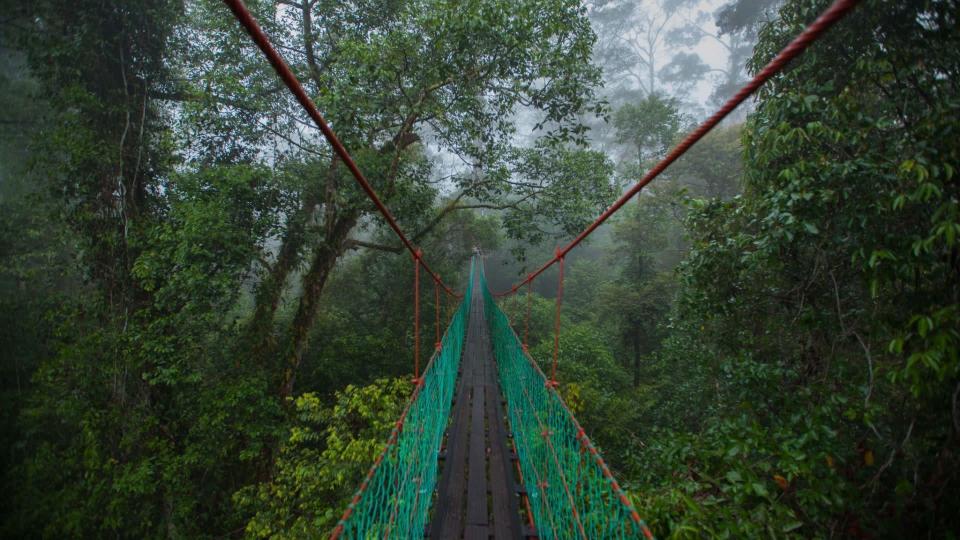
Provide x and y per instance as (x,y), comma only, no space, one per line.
(447,210)
(182,96)
(308,44)
(289,140)
(353,243)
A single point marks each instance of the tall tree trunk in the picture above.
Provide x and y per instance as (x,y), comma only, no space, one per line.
(270,290)
(324,258)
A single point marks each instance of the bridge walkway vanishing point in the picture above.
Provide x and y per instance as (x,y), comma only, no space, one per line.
(477,492)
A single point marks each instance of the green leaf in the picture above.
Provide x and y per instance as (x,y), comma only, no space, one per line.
(792,526)
(759,489)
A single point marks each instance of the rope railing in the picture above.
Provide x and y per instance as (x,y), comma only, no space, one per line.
(395,497)
(570,489)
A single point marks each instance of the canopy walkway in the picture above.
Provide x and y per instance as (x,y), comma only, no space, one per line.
(515,461)
(486,446)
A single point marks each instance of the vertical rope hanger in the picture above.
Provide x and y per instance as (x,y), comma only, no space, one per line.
(526,323)
(436,311)
(556,324)
(416,317)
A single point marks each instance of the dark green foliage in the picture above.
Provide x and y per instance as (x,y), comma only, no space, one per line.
(179,258)
(805,382)
(198,307)
(129,419)
(817,334)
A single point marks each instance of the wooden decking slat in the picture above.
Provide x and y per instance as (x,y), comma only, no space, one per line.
(477,463)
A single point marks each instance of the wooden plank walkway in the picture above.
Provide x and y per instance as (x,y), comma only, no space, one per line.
(477,489)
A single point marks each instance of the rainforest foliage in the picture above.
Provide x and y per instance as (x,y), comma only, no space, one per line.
(206,329)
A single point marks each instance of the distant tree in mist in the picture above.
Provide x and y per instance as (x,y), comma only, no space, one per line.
(648,46)
(648,126)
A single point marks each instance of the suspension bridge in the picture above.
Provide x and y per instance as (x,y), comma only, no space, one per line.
(486,446)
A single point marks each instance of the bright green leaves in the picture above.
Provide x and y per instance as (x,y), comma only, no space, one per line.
(321,463)
(895,217)
(930,346)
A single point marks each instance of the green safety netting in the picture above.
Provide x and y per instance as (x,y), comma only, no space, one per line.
(395,497)
(571,491)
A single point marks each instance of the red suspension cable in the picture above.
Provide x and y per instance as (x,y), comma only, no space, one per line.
(436,310)
(827,19)
(416,317)
(243,15)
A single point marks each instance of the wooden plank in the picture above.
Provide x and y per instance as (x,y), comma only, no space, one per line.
(477,462)
(503,498)
(476,532)
(449,511)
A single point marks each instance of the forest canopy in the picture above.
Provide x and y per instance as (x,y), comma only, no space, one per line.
(207,327)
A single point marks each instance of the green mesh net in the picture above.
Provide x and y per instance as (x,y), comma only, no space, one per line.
(571,491)
(395,497)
